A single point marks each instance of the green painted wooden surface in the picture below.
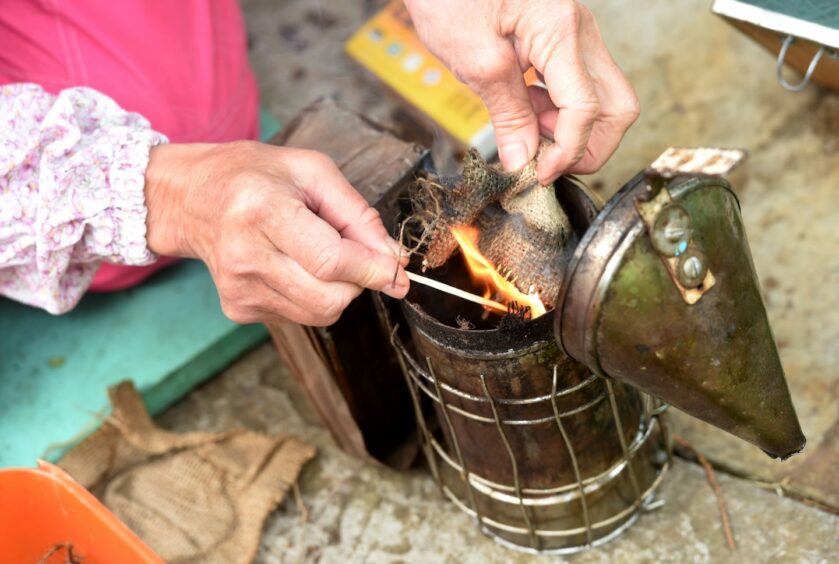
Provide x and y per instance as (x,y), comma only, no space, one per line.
(823,12)
(167,335)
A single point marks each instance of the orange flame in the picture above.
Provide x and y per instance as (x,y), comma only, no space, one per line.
(483,271)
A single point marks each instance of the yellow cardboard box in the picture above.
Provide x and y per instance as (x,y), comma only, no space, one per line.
(388,47)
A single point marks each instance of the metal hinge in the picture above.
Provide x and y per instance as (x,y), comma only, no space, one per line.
(669,224)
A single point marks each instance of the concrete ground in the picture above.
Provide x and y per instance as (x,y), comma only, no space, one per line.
(700,83)
(362,512)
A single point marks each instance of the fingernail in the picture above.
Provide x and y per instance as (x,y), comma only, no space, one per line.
(513,155)
(545,174)
(399,291)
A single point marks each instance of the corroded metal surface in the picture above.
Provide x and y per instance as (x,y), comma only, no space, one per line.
(696,161)
(716,359)
(543,454)
(518,371)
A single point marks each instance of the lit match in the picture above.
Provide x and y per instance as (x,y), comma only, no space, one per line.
(456,292)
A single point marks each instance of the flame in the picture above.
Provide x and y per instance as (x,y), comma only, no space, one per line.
(483,271)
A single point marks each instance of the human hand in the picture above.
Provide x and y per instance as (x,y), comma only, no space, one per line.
(488,44)
(283,233)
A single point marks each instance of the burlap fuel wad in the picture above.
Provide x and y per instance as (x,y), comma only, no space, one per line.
(194,497)
(523,229)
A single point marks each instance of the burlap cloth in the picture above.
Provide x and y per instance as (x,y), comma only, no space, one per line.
(523,228)
(195,497)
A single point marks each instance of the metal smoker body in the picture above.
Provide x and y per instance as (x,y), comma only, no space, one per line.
(541,443)
(546,456)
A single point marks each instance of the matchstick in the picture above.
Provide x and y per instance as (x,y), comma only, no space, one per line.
(455,292)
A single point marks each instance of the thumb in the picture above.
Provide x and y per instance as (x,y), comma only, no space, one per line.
(505,95)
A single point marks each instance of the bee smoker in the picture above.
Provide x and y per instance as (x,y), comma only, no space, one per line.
(551,433)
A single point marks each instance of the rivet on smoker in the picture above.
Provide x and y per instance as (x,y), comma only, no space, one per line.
(692,268)
(672,231)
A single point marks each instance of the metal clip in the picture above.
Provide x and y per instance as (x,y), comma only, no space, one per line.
(779,66)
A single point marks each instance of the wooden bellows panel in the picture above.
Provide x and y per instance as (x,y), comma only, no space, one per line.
(348,370)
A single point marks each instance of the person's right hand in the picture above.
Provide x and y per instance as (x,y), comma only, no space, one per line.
(283,233)
(488,44)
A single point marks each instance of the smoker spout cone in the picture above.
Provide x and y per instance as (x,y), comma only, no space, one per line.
(621,314)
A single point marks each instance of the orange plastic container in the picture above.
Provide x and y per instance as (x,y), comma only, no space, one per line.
(43,507)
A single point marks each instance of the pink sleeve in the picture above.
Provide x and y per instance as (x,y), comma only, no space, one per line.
(72,173)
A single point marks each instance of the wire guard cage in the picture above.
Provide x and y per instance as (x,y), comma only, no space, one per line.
(545,456)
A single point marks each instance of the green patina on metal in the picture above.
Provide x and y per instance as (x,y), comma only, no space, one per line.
(715,359)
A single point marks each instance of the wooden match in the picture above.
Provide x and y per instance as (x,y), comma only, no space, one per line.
(456,292)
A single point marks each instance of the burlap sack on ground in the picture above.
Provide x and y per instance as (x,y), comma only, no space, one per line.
(523,229)
(195,497)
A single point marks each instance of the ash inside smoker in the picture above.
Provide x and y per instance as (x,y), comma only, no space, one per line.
(523,229)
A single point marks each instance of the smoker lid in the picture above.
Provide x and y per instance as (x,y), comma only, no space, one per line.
(603,235)
(661,294)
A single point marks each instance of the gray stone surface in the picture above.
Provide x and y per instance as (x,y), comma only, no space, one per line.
(362,512)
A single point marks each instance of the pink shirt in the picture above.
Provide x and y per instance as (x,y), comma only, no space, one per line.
(72,161)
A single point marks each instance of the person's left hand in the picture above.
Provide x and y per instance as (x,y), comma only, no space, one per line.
(488,44)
